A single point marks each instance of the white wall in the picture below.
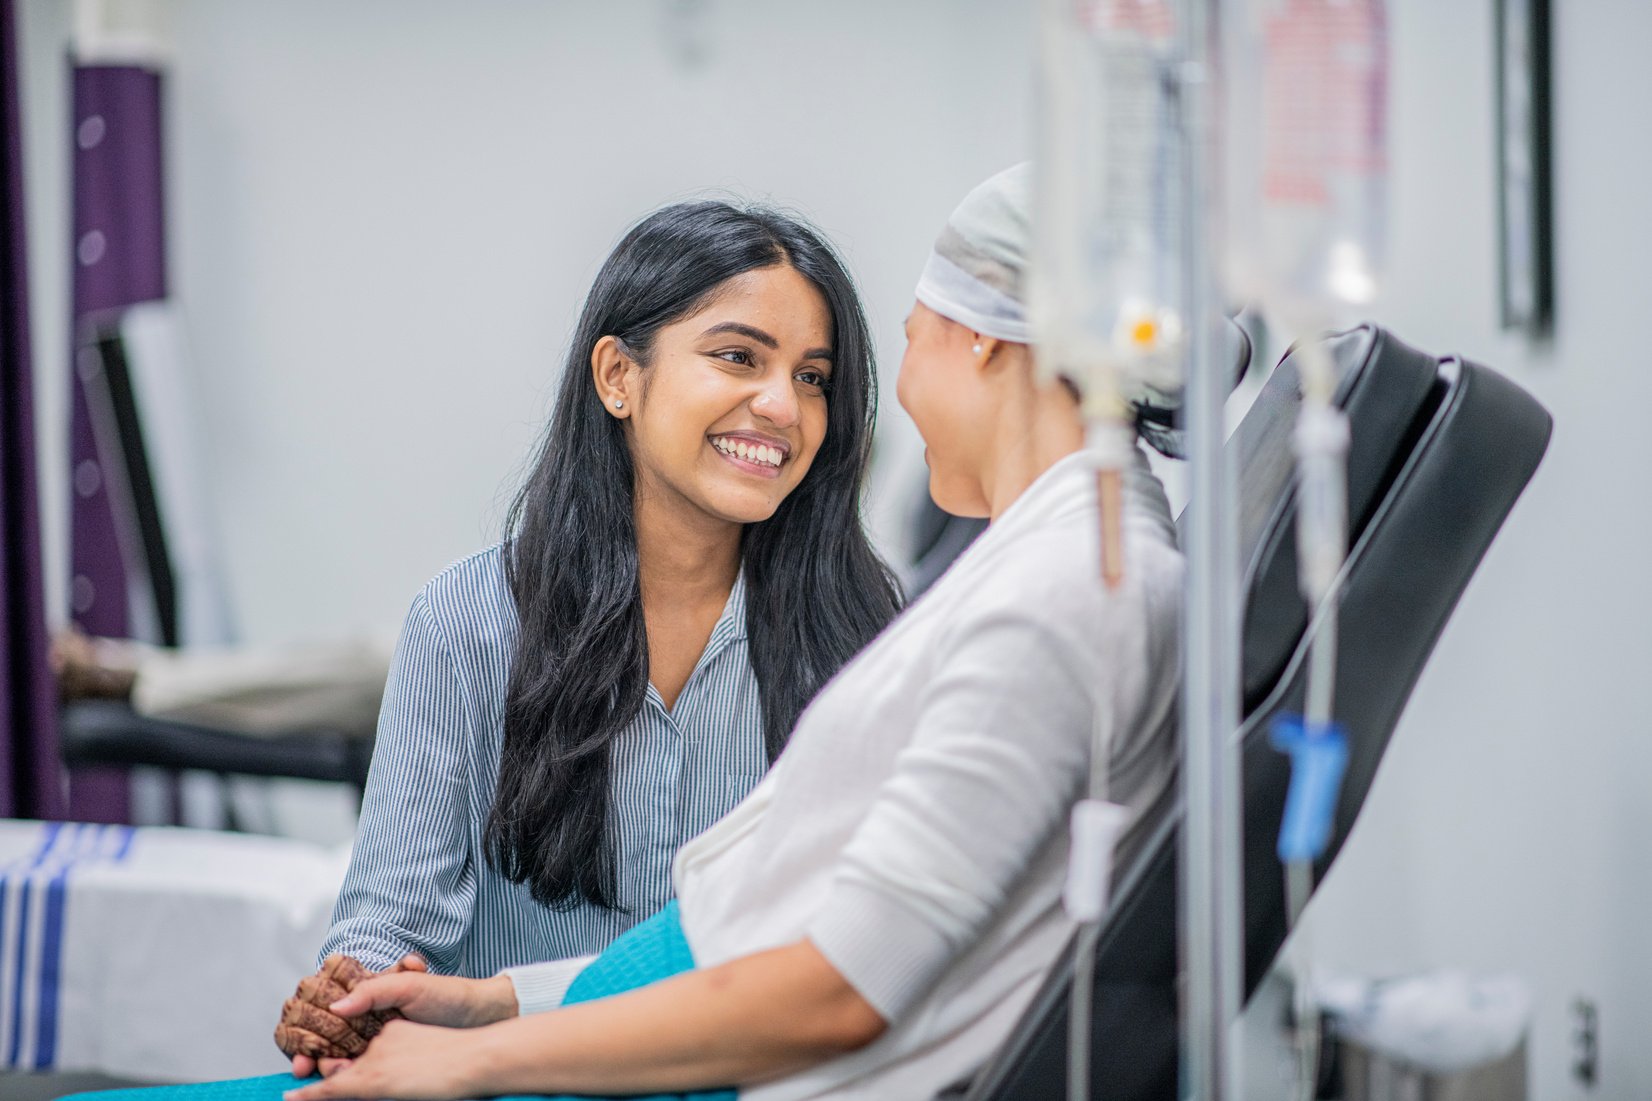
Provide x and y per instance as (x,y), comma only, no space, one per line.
(385,216)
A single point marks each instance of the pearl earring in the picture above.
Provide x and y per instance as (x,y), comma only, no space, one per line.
(618,404)
(977,348)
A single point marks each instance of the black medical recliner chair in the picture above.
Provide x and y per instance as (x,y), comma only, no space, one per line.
(1442,448)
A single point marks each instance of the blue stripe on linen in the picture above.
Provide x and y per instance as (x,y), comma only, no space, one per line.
(128,836)
(49,834)
(13,994)
(53,834)
(418,879)
(63,858)
(51,964)
(5,898)
(91,846)
(16,1040)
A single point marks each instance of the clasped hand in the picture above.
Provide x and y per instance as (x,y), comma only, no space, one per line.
(336,1012)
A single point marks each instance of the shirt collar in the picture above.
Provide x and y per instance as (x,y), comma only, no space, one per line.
(731,625)
(729,628)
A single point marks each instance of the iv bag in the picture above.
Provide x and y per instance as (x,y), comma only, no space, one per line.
(1310,155)
(1106,283)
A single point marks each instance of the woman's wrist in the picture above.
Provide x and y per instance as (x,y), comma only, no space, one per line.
(496,1001)
(492,1061)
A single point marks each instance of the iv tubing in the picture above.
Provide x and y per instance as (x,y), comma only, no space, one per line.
(1322,549)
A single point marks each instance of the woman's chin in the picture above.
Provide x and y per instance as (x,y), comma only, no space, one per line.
(739,506)
(955,499)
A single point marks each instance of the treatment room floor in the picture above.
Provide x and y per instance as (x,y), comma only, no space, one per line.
(48,1087)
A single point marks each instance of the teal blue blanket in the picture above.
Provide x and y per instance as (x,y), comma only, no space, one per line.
(653,950)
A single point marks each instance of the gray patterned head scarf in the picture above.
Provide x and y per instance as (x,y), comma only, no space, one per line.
(976,276)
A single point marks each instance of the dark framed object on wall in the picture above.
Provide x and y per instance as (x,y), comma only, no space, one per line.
(1525,222)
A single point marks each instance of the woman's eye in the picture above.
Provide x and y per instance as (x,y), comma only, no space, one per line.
(736,356)
(814,378)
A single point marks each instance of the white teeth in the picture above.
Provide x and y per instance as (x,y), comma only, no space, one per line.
(751,452)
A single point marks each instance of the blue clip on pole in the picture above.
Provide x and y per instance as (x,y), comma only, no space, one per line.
(1319,757)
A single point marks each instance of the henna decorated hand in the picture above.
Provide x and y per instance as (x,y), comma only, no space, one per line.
(310,1031)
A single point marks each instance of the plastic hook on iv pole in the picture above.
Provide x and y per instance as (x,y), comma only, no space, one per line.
(1319,757)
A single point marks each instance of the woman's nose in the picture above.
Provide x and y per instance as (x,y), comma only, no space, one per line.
(777,404)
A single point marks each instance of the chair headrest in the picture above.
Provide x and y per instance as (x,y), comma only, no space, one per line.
(1384,387)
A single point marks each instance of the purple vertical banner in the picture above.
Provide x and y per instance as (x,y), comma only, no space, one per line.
(30,776)
(119,260)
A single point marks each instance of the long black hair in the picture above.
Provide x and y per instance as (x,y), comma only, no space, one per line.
(815,590)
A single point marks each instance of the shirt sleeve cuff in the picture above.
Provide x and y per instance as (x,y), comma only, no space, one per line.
(888,953)
(541,986)
(375,955)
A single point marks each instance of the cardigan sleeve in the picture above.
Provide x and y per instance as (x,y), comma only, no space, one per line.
(540,986)
(1000,751)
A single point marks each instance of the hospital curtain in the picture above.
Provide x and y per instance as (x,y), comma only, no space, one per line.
(29,770)
(119,260)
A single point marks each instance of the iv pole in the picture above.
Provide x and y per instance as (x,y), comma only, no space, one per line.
(1137,80)
(1212,947)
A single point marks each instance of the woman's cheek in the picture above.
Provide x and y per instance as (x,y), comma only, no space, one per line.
(939,430)
(819,424)
(909,388)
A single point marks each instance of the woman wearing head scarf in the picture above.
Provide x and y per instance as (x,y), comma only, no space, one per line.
(873,918)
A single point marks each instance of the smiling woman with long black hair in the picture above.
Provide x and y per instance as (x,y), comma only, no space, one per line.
(683,569)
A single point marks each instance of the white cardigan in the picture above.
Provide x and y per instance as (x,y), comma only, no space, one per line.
(915,829)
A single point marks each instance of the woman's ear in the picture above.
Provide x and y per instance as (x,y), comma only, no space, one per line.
(984,348)
(613,372)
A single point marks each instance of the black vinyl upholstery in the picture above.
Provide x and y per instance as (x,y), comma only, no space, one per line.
(1441,451)
(109,734)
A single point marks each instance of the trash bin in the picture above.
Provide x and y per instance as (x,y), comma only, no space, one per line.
(1369,1076)
(1442,1036)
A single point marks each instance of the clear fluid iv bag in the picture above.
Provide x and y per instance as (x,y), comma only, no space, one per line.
(1309,156)
(1106,283)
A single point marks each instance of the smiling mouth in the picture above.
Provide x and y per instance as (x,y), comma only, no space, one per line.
(763,456)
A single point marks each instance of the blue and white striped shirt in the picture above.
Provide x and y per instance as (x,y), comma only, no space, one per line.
(418,879)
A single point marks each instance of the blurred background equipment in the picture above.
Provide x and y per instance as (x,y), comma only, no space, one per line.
(184,698)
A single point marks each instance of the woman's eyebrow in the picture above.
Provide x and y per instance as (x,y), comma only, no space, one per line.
(751,332)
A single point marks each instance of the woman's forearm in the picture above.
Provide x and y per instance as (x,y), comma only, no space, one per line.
(745,1021)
